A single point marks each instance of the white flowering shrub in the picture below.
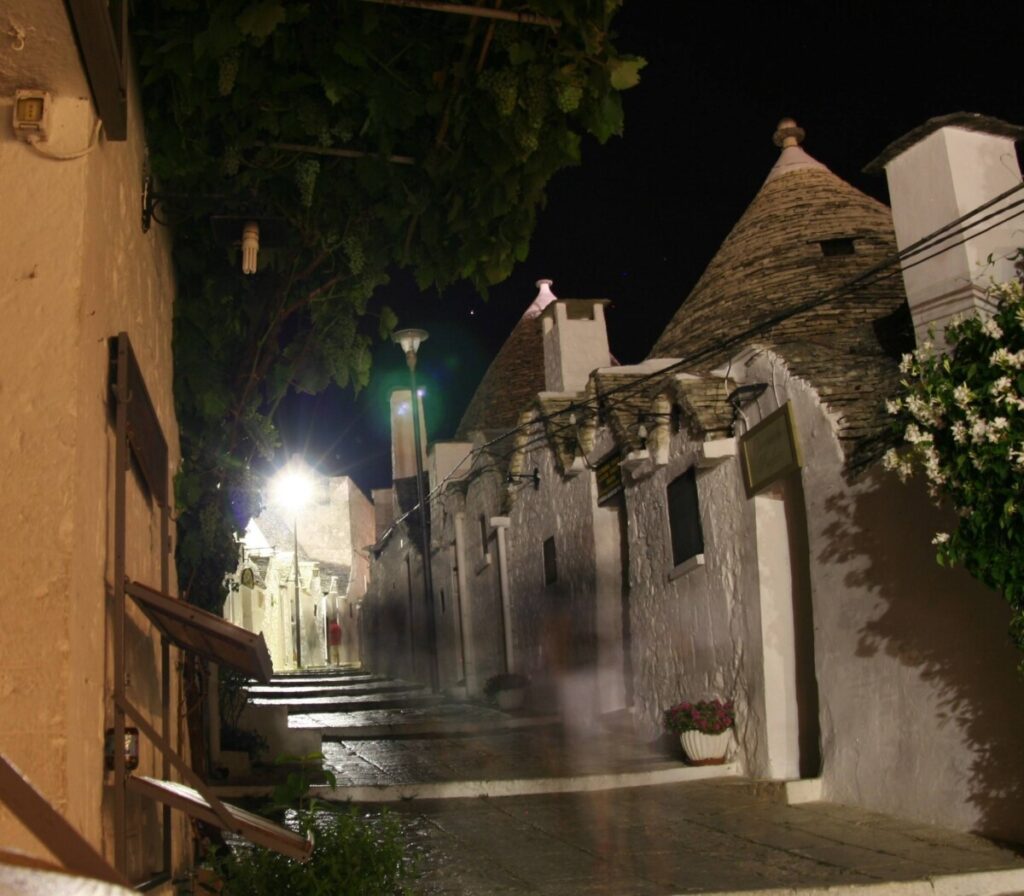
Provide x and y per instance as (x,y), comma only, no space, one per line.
(960,417)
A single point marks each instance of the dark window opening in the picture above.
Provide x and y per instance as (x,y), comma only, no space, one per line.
(442,601)
(483,536)
(840,246)
(684,517)
(550,562)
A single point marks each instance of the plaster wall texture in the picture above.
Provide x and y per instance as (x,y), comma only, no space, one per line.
(554,625)
(918,688)
(76,270)
(392,617)
(361,526)
(941,178)
(484,501)
(573,346)
(695,636)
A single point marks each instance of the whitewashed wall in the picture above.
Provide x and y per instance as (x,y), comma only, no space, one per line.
(554,626)
(696,636)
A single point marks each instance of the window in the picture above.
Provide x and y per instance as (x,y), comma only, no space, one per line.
(550,561)
(840,246)
(684,518)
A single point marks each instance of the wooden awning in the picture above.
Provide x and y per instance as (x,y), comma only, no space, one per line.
(204,633)
(253,827)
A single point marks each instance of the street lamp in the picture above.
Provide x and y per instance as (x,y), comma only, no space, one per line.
(410,341)
(292,489)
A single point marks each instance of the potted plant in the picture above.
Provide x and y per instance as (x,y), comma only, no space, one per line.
(703,729)
(508,688)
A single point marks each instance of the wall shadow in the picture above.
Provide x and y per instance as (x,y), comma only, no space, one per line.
(941,623)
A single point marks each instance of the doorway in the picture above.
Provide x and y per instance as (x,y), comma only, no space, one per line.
(793,735)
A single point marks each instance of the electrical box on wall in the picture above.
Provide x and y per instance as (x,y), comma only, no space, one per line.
(32,115)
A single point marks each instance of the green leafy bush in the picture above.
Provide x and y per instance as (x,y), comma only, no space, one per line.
(352,855)
(960,418)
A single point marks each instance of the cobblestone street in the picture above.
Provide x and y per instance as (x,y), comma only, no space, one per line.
(507,803)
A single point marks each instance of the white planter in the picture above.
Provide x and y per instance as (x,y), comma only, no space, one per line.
(512,698)
(705,749)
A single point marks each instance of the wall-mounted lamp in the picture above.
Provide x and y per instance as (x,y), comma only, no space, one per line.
(533,477)
(238,223)
(741,396)
(131,749)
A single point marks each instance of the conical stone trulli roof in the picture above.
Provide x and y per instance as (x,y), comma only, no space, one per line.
(777,257)
(514,377)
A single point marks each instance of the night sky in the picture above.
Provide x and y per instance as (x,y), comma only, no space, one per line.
(639,220)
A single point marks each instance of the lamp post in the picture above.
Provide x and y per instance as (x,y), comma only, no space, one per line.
(410,341)
(292,488)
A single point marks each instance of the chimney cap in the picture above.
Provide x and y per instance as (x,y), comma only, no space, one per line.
(969,121)
(788,133)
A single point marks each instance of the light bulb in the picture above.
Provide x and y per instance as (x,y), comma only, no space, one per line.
(250,246)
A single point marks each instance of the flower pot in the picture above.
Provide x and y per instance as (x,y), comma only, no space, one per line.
(511,698)
(705,749)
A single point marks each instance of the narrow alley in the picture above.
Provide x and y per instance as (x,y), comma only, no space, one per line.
(494,802)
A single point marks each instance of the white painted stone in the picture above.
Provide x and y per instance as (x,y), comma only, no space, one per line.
(939,179)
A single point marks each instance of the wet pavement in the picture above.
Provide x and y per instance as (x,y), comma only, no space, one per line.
(565,812)
(714,836)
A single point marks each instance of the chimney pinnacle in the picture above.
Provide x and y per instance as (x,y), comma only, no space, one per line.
(787,134)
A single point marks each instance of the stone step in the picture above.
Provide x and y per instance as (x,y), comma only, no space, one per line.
(396,700)
(292,693)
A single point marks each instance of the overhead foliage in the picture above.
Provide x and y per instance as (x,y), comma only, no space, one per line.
(961,420)
(362,137)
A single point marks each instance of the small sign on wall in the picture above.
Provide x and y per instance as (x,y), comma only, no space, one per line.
(770,451)
(609,478)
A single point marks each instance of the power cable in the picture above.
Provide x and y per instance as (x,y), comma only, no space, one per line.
(862,280)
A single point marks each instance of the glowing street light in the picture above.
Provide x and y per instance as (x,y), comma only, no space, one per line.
(291,489)
(410,341)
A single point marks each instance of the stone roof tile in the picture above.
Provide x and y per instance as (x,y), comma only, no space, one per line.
(773,261)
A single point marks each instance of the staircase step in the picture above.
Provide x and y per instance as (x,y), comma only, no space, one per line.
(395,700)
(272,692)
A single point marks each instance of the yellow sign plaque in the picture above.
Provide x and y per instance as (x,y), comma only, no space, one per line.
(770,451)
(609,478)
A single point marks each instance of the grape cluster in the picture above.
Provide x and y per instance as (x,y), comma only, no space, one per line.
(232,159)
(353,247)
(536,98)
(504,87)
(227,73)
(568,95)
(306,171)
(528,137)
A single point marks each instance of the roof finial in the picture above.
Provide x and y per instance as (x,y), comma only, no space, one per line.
(788,134)
(544,298)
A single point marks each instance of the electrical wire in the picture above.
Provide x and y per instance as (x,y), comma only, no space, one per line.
(869,277)
(55,156)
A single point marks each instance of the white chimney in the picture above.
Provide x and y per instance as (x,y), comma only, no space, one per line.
(403,450)
(575,340)
(937,174)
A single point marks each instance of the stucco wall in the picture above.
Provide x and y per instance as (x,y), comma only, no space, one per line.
(76,269)
(919,694)
(554,625)
(694,636)
(483,498)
